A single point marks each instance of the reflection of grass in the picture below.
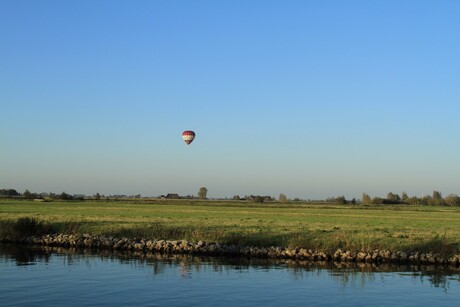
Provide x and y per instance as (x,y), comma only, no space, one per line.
(325,227)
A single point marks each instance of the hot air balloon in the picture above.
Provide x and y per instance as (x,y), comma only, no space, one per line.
(188,136)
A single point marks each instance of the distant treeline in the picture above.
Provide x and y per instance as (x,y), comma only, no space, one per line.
(9,193)
(435,199)
(12,193)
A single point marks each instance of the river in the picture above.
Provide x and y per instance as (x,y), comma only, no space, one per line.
(63,277)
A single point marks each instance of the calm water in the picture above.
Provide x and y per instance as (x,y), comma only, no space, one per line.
(58,277)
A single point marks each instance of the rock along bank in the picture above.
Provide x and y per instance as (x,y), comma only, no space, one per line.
(216,249)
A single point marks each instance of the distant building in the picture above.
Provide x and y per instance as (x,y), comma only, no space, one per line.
(172,196)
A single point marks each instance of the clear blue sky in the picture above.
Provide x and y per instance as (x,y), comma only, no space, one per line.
(308,98)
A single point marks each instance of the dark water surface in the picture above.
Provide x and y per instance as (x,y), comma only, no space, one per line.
(62,277)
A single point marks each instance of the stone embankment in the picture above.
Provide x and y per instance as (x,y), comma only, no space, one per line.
(216,249)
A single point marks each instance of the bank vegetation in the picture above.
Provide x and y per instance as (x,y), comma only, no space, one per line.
(320,227)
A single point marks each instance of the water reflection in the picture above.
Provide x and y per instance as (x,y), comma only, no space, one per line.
(23,255)
(345,274)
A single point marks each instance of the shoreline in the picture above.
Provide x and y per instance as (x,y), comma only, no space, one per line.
(204,248)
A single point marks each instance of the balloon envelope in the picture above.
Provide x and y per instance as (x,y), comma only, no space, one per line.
(188,136)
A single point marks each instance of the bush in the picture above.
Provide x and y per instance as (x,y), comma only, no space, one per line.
(22,228)
(27,226)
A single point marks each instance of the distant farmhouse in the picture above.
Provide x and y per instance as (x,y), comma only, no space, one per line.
(172,196)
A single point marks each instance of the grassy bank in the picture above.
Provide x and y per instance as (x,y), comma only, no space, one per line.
(317,226)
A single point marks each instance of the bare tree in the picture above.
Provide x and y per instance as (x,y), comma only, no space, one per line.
(341,200)
(283,198)
(452,200)
(404,196)
(202,193)
(394,198)
(437,195)
(366,199)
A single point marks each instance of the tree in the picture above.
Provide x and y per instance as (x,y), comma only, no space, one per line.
(393,198)
(437,195)
(436,199)
(414,201)
(404,196)
(202,193)
(366,199)
(257,199)
(97,196)
(283,198)
(377,201)
(236,197)
(452,200)
(65,196)
(341,200)
(27,194)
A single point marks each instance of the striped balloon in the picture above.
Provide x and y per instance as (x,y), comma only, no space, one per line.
(188,136)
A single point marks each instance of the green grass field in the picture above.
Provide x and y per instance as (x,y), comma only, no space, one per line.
(317,226)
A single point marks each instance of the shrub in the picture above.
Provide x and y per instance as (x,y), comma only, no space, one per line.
(27,226)
(22,228)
